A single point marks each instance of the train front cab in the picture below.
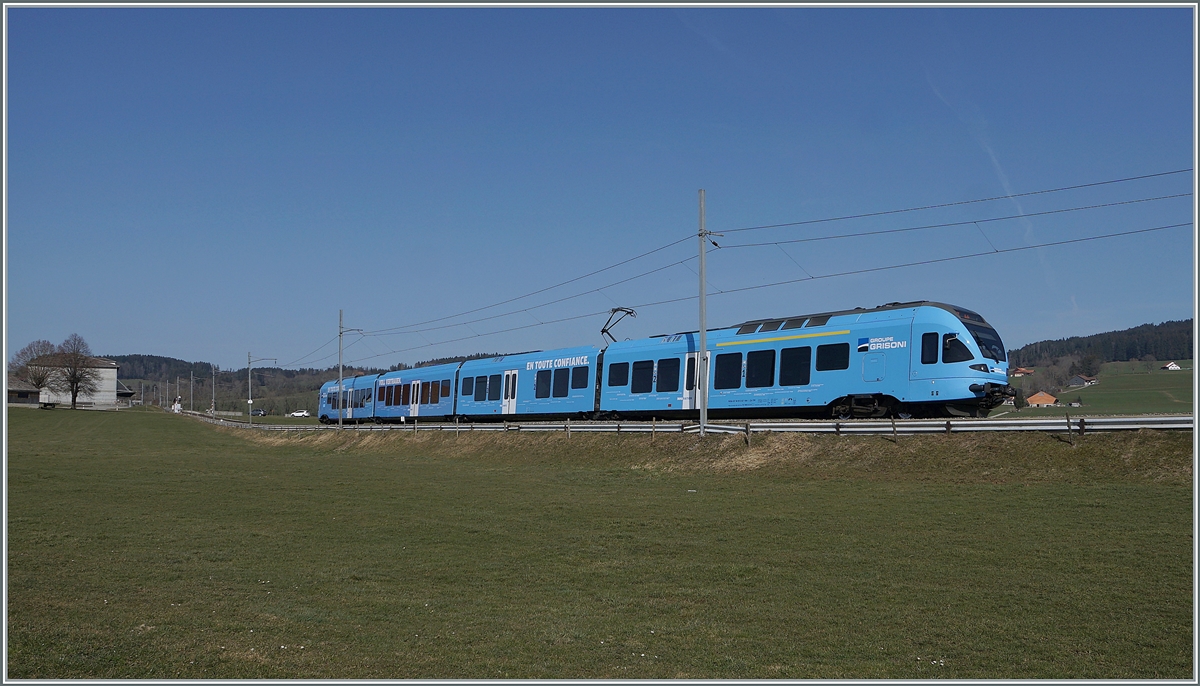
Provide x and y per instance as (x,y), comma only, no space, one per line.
(957,364)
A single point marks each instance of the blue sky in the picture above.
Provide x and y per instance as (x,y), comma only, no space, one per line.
(206,182)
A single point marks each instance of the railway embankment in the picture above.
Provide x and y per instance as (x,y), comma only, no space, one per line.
(1147,456)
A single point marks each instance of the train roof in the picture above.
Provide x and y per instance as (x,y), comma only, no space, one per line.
(959,312)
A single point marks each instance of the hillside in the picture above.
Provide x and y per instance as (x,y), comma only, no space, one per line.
(1167,341)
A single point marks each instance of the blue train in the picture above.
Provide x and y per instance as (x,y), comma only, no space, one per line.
(915,359)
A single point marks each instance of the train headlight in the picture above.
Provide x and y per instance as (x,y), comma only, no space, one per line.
(980,368)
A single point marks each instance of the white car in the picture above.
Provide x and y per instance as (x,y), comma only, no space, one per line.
(300,413)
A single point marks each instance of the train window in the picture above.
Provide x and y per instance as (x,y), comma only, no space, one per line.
(468,386)
(387,396)
(794,364)
(729,371)
(435,392)
(794,324)
(541,384)
(618,374)
(953,349)
(988,341)
(691,374)
(760,368)
(643,377)
(406,398)
(929,348)
(562,382)
(579,377)
(833,356)
(493,387)
(446,392)
(771,326)
(508,387)
(818,321)
(481,385)
(747,328)
(668,375)
(425,393)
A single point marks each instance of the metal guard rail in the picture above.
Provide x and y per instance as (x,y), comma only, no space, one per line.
(840,427)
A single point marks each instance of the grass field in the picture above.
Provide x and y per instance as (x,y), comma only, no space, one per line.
(1124,388)
(147,545)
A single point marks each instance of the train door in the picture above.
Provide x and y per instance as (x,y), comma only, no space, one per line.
(509,404)
(874,366)
(414,405)
(689,382)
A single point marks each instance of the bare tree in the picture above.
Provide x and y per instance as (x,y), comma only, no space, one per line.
(38,377)
(73,371)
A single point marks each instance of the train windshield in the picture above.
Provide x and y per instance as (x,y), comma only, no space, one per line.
(988,340)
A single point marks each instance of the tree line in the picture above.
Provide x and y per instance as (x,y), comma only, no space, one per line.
(1167,341)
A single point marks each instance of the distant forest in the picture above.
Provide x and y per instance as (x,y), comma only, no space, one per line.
(1166,341)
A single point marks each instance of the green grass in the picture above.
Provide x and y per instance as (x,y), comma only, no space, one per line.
(154,546)
(1124,388)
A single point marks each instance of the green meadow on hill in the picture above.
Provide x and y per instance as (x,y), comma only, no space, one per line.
(146,545)
(1124,388)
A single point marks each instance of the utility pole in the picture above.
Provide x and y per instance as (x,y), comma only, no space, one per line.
(342,396)
(702,358)
(192,391)
(214,390)
(339,391)
(701,367)
(250,382)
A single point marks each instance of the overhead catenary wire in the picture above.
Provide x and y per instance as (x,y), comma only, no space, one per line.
(943,225)
(957,203)
(304,357)
(399,331)
(752,228)
(540,290)
(793,281)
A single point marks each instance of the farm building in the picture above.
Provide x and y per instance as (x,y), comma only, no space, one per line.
(1081,380)
(21,392)
(1171,366)
(1021,371)
(1041,399)
(106,394)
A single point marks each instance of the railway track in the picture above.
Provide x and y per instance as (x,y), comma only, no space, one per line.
(901,427)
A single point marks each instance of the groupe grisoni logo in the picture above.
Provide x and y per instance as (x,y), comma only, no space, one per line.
(883,343)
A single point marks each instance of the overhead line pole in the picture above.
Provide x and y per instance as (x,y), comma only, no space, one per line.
(339,389)
(342,400)
(701,359)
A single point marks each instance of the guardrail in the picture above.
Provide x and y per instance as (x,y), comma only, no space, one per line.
(900,427)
